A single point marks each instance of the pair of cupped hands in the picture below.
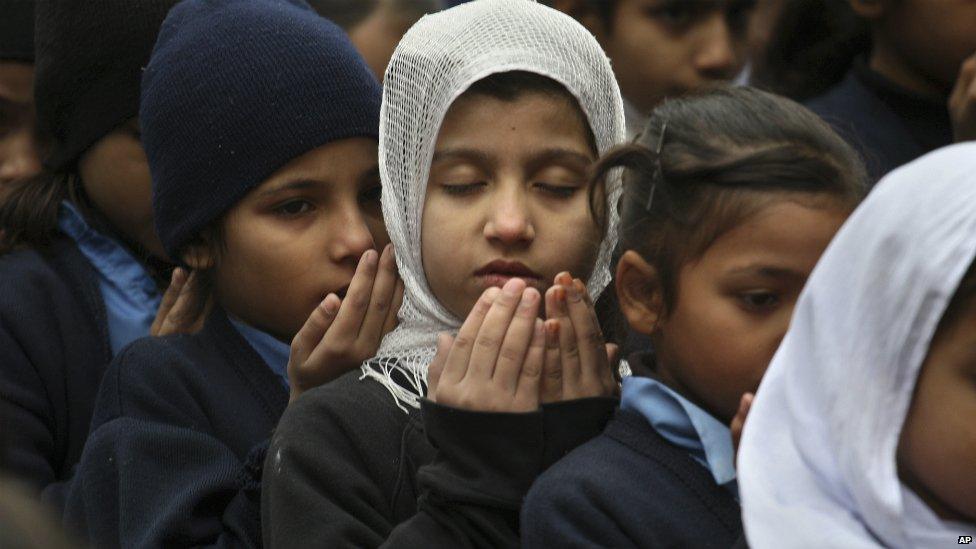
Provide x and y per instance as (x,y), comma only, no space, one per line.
(504,358)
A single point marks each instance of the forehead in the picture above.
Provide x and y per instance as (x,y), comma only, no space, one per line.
(504,127)
(784,234)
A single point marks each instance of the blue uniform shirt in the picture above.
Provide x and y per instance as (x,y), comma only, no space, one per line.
(685,425)
(274,352)
(131,297)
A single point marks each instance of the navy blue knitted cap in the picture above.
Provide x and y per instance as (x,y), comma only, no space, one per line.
(234,90)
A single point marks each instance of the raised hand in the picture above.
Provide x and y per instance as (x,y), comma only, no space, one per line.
(495,362)
(184,306)
(578,361)
(342,333)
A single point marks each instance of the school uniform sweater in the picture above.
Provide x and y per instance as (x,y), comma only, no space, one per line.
(177,445)
(348,468)
(634,486)
(889,125)
(54,349)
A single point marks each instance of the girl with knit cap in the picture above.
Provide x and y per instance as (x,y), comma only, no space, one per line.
(493,112)
(260,123)
(862,432)
(79,259)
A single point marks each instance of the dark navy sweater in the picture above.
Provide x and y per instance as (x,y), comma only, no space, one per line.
(347,468)
(179,435)
(54,349)
(629,488)
(888,125)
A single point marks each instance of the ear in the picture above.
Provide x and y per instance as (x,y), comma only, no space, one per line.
(583,11)
(639,293)
(199,254)
(869,9)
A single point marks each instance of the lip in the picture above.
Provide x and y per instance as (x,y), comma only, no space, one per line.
(500,271)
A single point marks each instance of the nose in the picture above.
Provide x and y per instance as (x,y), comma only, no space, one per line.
(718,54)
(509,222)
(351,235)
(18,156)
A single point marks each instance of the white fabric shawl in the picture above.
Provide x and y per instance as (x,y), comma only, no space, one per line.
(817,461)
(437,60)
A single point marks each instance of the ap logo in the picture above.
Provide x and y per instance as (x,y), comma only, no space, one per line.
(965,540)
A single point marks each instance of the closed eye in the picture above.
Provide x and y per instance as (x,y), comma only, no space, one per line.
(558,191)
(462,189)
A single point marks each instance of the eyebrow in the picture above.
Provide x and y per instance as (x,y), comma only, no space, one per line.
(555,155)
(294,185)
(767,271)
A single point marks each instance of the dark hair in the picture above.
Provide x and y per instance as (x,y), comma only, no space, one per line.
(813,45)
(725,153)
(345,13)
(961,300)
(29,209)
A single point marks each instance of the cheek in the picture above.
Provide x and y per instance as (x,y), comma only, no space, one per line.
(938,441)
(722,351)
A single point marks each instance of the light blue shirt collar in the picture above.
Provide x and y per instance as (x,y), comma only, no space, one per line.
(130,294)
(685,425)
(273,351)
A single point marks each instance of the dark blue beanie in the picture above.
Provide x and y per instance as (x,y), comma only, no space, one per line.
(236,89)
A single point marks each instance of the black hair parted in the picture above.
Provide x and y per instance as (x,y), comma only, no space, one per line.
(726,152)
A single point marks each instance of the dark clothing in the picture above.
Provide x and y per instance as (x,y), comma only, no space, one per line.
(347,468)
(178,441)
(889,125)
(54,349)
(629,488)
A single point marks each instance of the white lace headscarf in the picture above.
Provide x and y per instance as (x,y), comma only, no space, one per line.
(438,59)
(817,464)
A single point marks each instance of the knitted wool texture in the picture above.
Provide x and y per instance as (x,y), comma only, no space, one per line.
(236,89)
(17,30)
(89,59)
(437,60)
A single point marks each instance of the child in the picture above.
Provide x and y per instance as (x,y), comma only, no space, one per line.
(484,173)
(18,145)
(894,102)
(730,197)
(80,260)
(862,433)
(664,48)
(375,26)
(260,123)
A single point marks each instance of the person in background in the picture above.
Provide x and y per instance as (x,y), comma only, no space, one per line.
(909,92)
(375,26)
(19,155)
(665,48)
(80,261)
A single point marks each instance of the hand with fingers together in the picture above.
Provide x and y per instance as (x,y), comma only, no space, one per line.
(495,362)
(578,361)
(184,306)
(341,333)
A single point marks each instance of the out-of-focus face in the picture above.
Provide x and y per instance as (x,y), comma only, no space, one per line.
(507,196)
(378,35)
(299,235)
(937,449)
(115,175)
(663,48)
(19,155)
(931,37)
(734,303)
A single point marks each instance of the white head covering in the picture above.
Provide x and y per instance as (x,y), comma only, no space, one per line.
(437,60)
(817,462)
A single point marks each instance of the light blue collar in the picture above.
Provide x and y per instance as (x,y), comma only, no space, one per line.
(274,352)
(131,297)
(685,425)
